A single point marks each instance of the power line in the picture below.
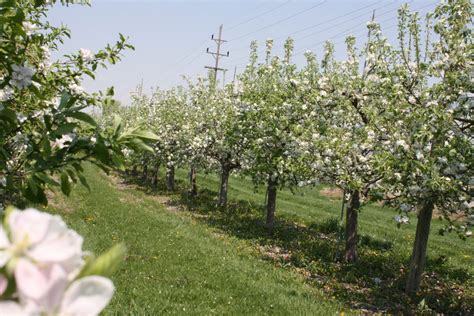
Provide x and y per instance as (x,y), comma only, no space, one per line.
(327,21)
(182,59)
(330,20)
(330,27)
(345,31)
(258,16)
(352,19)
(337,35)
(196,50)
(279,21)
(193,50)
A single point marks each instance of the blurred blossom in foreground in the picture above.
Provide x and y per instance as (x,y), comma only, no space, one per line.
(42,261)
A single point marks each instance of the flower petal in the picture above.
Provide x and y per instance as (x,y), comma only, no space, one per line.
(30,223)
(87,296)
(11,308)
(4,244)
(59,245)
(44,287)
(3,284)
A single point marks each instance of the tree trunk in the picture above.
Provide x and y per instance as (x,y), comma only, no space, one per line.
(145,172)
(154,179)
(192,181)
(352,212)
(135,171)
(418,257)
(224,186)
(170,178)
(271,203)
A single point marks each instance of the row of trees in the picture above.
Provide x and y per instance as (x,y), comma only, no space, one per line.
(391,123)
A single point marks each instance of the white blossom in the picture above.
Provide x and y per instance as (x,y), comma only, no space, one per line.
(21,76)
(76,89)
(46,257)
(86,54)
(402,143)
(29,28)
(402,219)
(21,117)
(6,93)
(61,142)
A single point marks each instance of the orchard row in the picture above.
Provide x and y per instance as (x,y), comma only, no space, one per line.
(389,122)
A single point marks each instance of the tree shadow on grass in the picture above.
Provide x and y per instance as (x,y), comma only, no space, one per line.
(373,284)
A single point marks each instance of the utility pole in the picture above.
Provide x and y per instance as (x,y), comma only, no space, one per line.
(235,73)
(368,38)
(217,54)
(140,90)
(223,77)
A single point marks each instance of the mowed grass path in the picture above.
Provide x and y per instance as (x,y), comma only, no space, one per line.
(176,265)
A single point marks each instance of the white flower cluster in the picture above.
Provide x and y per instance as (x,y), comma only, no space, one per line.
(29,28)
(76,89)
(21,76)
(6,94)
(86,55)
(402,219)
(63,141)
(43,258)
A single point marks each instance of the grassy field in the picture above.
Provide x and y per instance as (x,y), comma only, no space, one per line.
(186,256)
(178,266)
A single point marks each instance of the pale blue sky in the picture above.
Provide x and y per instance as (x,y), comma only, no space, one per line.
(171,37)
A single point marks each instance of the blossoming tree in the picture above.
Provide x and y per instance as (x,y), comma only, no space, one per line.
(45,134)
(429,165)
(274,121)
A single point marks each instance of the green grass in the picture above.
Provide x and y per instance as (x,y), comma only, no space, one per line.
(309,231)
(176,265)
(309,206)
(196,258)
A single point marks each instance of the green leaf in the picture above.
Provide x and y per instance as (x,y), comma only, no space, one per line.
(46,179)
(65,184)
(33,186)
(102,153)
(9,115)
(46,146)
(82,117)
(106,264)
(71,174)
(35,193)
(65,128)
(84,181)
(147,135)
(110,92)
(117,126)
(139,144)
(66,101)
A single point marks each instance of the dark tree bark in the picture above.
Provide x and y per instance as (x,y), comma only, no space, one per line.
(145,172)
(192,181)
(271,203)
(170,178)
(224,186)
(418,257)
(135,171)
(351,235)
(154,179)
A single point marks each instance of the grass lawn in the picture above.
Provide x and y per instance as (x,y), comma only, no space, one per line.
(190,257)
(307,240)
(176,265)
